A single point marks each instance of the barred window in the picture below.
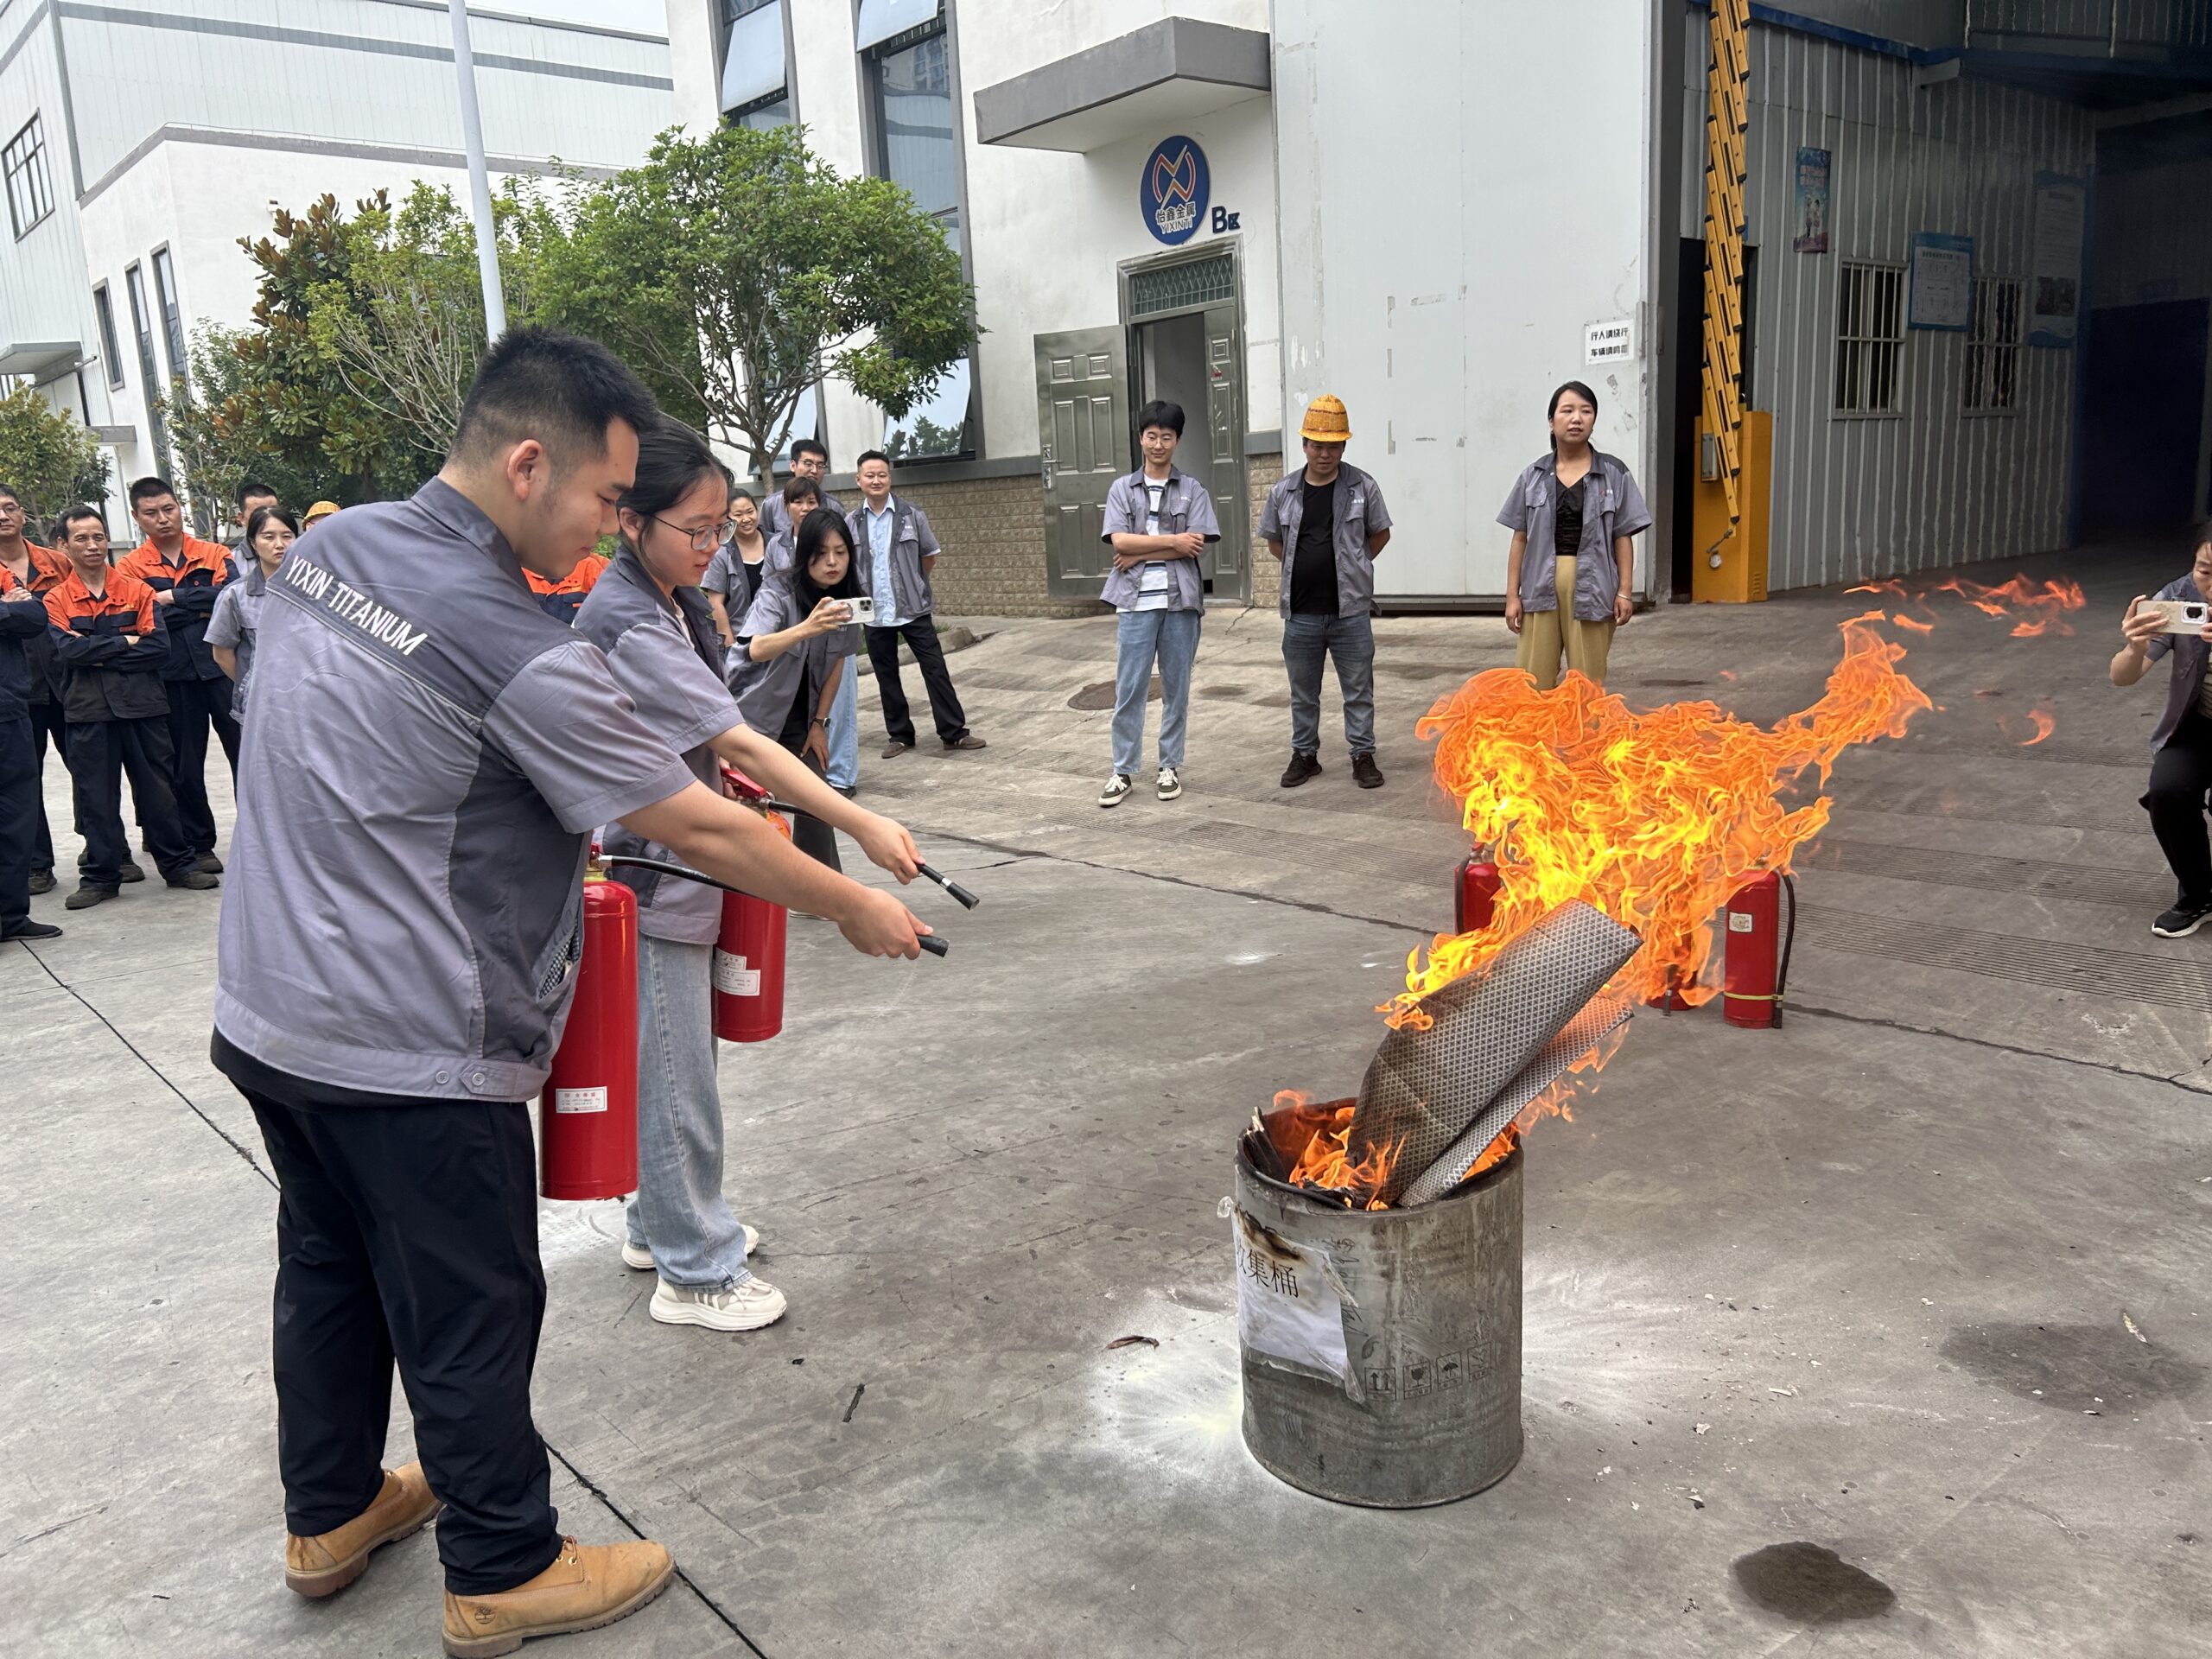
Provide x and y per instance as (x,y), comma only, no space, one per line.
(1992,379)
(30,196)
(1869,338)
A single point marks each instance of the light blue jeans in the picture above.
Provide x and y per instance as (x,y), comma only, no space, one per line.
(1350,642)
(680,1211)
(845,730)
(1170,638)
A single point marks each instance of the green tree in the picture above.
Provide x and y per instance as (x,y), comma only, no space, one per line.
(220,442)
(734,271)
(48,455)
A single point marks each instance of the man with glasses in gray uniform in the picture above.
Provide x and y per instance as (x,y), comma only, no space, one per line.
(430,753)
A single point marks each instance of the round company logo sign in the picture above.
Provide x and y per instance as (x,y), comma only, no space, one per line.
(1172,194)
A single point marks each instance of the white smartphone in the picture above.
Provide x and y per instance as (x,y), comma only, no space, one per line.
(864,610)
(2182,615)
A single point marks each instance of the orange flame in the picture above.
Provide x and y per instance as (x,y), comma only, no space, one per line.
(1327,1161)
(2046,603)
(2046,722)
(1654,817)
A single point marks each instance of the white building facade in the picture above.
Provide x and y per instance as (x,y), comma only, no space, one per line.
(143,141)
(1440,210)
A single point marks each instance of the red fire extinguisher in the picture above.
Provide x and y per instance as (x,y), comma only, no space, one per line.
(1474,897)
(1758,954)
(588,1116)
(749,964)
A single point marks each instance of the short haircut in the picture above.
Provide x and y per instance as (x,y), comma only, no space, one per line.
(1160,412)
(150,488)
(12,493)
(809,446)
(69,516)
(261,516)
(248,490)
(562,389)
(866,455)
(801,489)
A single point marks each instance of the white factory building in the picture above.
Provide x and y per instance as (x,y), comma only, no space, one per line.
(1966,281)
(143,138)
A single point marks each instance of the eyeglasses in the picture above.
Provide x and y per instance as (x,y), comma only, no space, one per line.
(703,540)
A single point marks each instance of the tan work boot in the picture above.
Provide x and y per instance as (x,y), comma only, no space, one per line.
(324,1565)
(589,1585)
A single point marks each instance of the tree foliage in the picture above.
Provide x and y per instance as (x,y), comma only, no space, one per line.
(735,270)
(49,455)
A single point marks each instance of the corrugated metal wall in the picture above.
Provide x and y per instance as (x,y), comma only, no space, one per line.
(1864,496)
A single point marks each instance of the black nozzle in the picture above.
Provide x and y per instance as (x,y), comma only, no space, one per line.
(934,945)
(966,898)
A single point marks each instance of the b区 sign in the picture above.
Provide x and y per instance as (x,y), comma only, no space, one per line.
(1172,194)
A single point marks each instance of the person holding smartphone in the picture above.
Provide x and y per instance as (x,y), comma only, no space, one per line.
(2181,743)
(793,648)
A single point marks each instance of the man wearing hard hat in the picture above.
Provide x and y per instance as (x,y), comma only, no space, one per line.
(1332,520)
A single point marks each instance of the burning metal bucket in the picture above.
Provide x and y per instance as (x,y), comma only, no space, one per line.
(1380,1348)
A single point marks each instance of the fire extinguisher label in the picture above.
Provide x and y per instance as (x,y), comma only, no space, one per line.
(579,1100)
(733,977)
(1738,922)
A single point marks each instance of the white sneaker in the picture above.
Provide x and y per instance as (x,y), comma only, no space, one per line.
(1117,787)
(642,1260)
(1170,785)
(746,1307)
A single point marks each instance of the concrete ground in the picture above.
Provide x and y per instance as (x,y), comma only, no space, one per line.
(1883,1333)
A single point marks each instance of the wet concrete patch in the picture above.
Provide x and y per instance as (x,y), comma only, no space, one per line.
(2076,1367)
(1099,695)
(1811,1584)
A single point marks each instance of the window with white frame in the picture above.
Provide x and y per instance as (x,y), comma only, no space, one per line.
(1869,338)
(756,79)
(1992,378)
(30,195)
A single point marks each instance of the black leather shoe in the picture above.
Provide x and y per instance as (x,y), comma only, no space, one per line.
(31,931)
(1301,768)
(1365,773)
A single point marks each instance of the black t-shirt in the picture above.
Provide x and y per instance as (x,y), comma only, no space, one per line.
(1567,517)
(799,720)
(1313,560)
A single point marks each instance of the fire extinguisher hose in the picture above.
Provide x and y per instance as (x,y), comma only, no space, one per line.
(929,942)
(1788,941)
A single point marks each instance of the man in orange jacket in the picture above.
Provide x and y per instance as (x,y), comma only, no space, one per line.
(184,573)
(107,636)
(561,600)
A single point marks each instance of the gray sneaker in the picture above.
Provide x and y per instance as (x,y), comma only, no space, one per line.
(1117,790)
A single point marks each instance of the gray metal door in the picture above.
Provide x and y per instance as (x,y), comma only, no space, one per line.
(1082,429)
(1231,558)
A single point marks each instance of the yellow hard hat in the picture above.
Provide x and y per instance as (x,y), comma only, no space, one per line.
(1326,422)
(321,510)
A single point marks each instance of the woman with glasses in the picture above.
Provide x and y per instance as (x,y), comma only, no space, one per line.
(647,615)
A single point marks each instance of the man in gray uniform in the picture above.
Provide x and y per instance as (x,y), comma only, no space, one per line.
(430,753)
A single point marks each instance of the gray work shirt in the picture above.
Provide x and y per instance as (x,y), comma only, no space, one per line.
(2190,654)
(912,541)
(1611,506)
(1185,505)
(668,660)
(237,614)
(728,574)
(765,690)
(1360,513)
(431,752)
(776,512)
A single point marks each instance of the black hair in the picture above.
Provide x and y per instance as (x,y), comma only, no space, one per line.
(248,490)
(12,493)
(69,516)
(671,460)
(737,491)
(1161,412)
(150,488)
(866,455)
(821,522)
(261,516)
(809,446)
(801,486)
(1579,391)
(562,389)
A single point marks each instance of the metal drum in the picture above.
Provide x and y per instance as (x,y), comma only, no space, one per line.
(1380,1348)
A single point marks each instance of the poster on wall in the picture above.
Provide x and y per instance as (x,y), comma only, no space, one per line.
(2055,287)
(1942,282)
(1811,217)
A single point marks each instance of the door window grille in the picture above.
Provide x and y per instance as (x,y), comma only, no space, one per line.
(1171,288)
(1992,379)
(1869,338)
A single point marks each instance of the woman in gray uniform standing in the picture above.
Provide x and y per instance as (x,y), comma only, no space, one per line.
(1574,515)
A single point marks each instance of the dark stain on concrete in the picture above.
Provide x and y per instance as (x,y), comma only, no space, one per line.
(1811,1584)
(2074,1367)
(1099,696)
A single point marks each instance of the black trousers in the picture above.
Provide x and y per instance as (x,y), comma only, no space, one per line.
(408,1233)
(195,705)
(809,834)
(19,797)
(100,753)
(46,727)
(921,635)
(2181,774)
